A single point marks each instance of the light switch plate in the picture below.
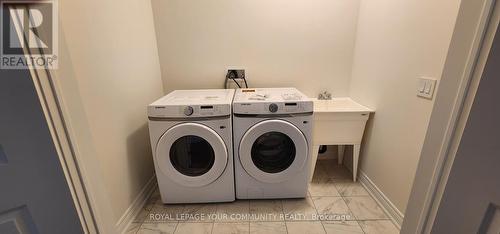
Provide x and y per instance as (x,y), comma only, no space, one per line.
(426,87)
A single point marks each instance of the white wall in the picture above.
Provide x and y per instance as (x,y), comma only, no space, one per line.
(397,42)
(306,44)
(109,72)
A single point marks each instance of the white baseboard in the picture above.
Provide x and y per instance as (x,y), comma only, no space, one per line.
(136,206)
(394,213)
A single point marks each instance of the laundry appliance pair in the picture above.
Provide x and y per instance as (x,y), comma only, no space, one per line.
(216,145)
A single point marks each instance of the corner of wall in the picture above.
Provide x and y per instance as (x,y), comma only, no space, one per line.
(354,50)
(129,217)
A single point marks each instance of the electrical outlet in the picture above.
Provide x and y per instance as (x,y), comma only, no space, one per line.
(236,72)
(236,77)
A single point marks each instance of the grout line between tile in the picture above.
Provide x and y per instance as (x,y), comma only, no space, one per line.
(342,197)
(355,219)
(176,225)
(317,212)
(324,229)
(362,229)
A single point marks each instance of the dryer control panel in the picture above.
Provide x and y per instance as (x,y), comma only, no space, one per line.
(193,104)
(189,111)
(272,108)
(271,101)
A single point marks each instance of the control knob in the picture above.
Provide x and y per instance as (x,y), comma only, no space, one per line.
(273,107)
(188,110)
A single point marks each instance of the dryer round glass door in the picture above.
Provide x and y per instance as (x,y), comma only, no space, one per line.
(191,154)
(273,150)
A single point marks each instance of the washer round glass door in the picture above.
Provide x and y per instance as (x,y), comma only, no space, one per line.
(191,154)
(273,150)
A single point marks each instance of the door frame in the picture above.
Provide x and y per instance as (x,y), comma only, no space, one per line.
(51,107)
(474,32)
(65,151)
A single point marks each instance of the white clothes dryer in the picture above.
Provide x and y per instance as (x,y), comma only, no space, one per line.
(191,141)
(272,130)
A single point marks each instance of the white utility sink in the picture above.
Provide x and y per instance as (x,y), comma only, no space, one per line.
(340,121)
(344,104)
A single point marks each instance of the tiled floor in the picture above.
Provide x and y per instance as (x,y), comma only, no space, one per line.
(335,204)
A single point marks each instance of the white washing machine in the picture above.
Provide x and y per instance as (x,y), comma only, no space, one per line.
(272,130)
(191,140)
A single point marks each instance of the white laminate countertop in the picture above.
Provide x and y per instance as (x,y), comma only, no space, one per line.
(343,104)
